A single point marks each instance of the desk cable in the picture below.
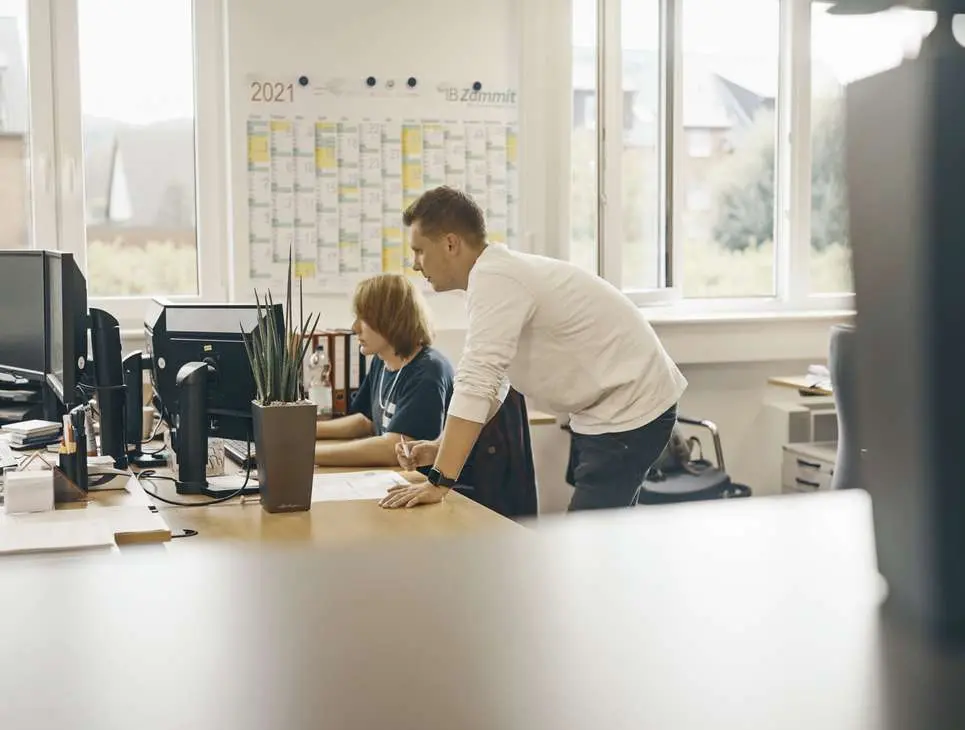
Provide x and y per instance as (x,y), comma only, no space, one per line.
(150,475)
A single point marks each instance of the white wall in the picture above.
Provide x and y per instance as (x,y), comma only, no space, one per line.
(727,360)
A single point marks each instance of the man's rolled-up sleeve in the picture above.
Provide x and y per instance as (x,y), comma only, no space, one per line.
(498,307)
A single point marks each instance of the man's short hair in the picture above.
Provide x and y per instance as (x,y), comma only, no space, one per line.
(392,306)
(445,210)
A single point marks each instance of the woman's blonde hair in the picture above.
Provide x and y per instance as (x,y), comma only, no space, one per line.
(392,306)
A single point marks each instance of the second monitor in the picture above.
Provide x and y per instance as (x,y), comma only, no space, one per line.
(202,379)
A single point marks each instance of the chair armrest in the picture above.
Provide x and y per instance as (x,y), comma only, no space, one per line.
(714,433)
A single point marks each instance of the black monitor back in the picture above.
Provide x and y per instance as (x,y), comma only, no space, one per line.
(67,326)
(178,333)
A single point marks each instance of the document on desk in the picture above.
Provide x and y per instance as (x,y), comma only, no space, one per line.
(53,531)
(348,486)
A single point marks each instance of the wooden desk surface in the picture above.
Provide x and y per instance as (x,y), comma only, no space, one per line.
(751,614)
(801,383)
(325,523)
(332,523)
(539,418)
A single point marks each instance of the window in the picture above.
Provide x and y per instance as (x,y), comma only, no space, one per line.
(700,142)
(884,39)
(695,200)
(139,161)
(640,265)
(583,141)
(15,179)
(729,87)
(135,86)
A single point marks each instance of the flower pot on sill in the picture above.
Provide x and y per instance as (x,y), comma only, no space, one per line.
(285,444)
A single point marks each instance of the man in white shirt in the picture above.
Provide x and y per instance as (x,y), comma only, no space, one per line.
(561,336)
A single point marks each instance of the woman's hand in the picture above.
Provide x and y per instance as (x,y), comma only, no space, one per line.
(413,454)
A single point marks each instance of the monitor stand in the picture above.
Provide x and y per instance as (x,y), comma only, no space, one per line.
(191,435)
(133,366)
(144,460)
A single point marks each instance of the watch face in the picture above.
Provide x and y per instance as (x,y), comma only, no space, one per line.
(436,478)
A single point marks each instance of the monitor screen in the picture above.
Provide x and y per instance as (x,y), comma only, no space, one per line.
(22,313)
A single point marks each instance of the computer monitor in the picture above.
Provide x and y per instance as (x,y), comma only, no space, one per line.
(67,325)
(203,384)
(43,334)
(23,315)
(179,333)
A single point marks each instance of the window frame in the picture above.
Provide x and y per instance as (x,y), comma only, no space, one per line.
(42,174)
(792,159)
(211,186)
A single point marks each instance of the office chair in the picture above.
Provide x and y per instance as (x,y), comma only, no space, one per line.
(841,363)
(693,480)
(685,479)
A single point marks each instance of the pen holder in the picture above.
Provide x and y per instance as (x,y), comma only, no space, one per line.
(65,489)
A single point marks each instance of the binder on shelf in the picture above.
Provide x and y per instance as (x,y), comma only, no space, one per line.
(354,366)
(339,361)
(348,365)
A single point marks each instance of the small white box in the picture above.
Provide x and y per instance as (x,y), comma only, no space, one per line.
(28,491)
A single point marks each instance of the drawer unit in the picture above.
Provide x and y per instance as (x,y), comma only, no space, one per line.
(807,467)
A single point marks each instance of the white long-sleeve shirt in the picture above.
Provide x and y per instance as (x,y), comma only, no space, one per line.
(563,337)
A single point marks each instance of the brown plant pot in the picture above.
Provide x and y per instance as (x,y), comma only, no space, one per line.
(285,445)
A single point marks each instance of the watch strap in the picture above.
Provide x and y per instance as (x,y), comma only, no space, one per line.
(436,478)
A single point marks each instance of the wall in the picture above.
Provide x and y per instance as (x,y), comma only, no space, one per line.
(452,42)
(726,359)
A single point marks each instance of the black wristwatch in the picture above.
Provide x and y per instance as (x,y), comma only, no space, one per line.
(437,479)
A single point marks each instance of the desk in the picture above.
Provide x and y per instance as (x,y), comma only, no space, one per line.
(242,518)
(801,383)
(539,418)
(326,523)
(745,614)
(333,523)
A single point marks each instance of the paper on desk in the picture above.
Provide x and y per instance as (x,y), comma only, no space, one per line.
(349,486)
(53,531)
(340,487)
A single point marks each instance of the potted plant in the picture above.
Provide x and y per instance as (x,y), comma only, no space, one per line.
(284,420)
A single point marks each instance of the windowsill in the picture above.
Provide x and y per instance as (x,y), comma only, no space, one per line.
(665,315)
(709,338)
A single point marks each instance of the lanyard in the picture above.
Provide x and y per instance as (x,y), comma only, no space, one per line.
(395,380)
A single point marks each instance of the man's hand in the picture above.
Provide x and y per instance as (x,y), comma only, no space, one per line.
(413,454)
(410,495)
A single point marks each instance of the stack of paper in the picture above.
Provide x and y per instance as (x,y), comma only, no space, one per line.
(35,433)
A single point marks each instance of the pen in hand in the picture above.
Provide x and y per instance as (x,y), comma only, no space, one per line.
(405,447)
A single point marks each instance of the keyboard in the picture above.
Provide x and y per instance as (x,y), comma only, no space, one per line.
(237,451)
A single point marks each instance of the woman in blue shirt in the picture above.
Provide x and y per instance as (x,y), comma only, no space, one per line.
(407,388)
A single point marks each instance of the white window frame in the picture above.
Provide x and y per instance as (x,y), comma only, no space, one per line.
(211,196)
(792,176)
(41,136)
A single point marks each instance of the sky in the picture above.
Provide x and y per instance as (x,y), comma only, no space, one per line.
(136,57)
